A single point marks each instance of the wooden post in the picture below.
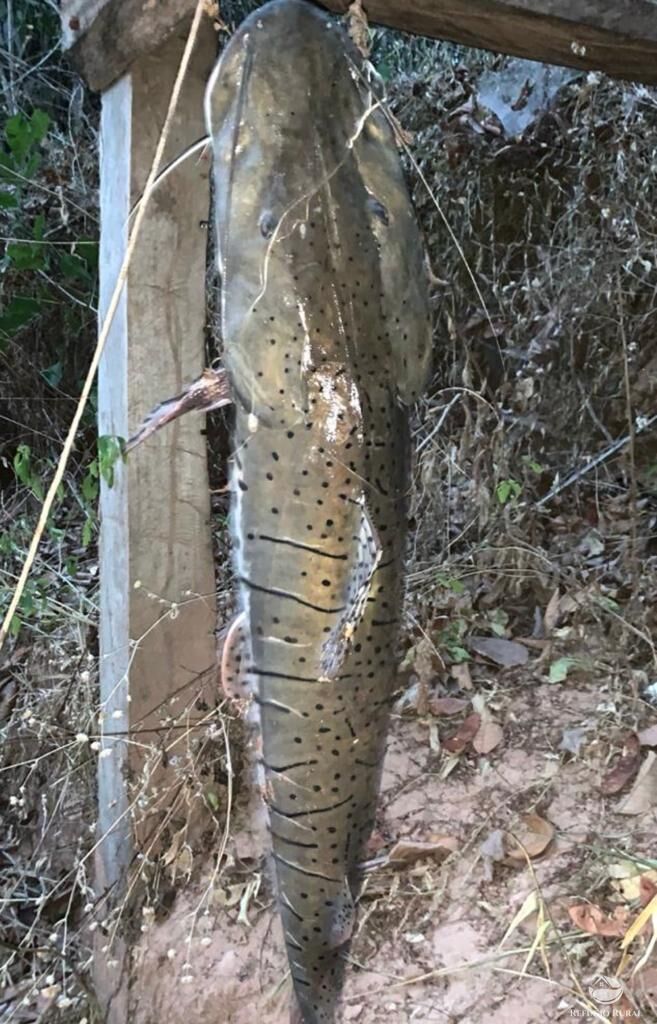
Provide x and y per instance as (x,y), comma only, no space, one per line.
(156,567)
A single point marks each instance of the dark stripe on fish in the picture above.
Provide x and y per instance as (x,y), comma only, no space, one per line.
(289,597)
(315,810)
(304,871)
(301,547)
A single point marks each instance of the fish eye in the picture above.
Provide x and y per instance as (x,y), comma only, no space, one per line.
(267,224)
(376,207)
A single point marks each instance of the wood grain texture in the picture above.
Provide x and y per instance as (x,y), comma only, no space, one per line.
(108,35)
(616,36)
(156,566)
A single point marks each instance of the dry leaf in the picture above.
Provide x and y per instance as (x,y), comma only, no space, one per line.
(647,887)
(552,612)
(506,653)
(493,846)
(408,850)
(358,27)
(489,736)
(643,795)
(625,768)
(467,731)
(535,834)
(648,737)
(572,740)
(590,918)
(461,673)
(447,705)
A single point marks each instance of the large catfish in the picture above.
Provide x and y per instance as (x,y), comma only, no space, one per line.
(327,342)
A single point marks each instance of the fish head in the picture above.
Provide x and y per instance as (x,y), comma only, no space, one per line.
(260,101)
(307,179)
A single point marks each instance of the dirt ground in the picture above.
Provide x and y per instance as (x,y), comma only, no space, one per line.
(429,945)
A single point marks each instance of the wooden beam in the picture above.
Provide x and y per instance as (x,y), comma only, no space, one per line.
(618,37)
(157,624)
(615,36)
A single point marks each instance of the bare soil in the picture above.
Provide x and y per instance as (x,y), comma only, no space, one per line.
(440,921)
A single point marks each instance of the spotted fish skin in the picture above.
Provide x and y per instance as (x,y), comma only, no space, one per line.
(327,341)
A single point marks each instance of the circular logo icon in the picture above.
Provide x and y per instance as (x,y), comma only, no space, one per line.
(606,990)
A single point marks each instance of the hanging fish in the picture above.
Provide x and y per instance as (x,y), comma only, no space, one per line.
(327,341)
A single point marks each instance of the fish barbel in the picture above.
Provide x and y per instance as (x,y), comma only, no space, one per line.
(327,341)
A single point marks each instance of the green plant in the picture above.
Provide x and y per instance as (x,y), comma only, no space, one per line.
(508,490)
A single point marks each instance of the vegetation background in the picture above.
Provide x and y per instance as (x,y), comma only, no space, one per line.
(535,474)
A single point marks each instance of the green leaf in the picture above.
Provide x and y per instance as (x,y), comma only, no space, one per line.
(507,490)
(25,256)
(110,450)
(8,200)
(39,124)
(25,472)
(20,310)
(53,374)
(38,227)
(88,530)
(73,267)
(23,134)
(560,668)
(90,486)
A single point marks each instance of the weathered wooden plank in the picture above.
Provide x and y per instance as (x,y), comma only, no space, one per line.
(104,37)
(616,36)
(155,544)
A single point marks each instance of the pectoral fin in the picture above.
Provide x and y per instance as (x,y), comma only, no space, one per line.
(209,391)
(344,918)
(365,560)
(234,660)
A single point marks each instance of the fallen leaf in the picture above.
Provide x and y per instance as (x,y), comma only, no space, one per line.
(625,768)
(643,795)
(426,665)
(409,850)
(467,731)
(560,668)
(492,850)
(447,705)
(506,653)
(489,736)
(648,737)
(647,887)
(535,834)
(461,673)
(552,613)
(640,923)
(493,846)
(572,740)
(590,918)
